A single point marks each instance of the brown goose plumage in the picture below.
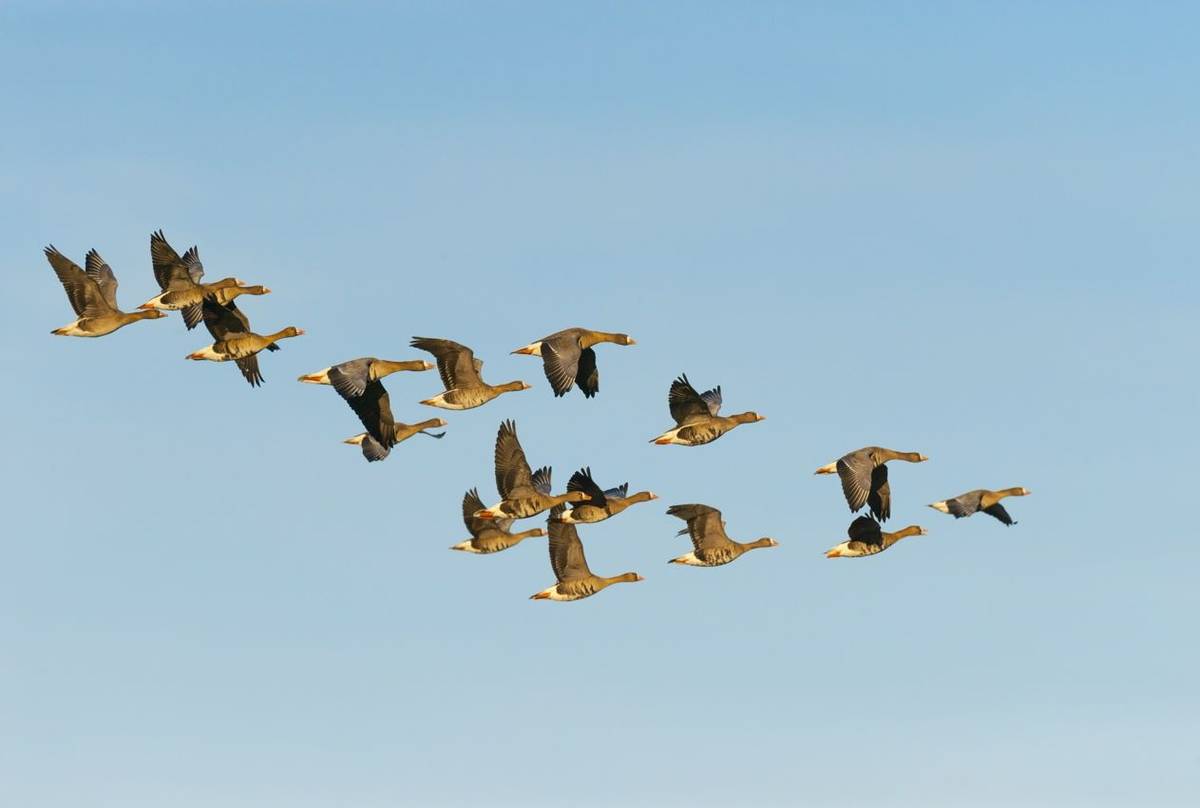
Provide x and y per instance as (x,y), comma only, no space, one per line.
(868,538)
(696,418)
(92,295)
(575,580)
(981,499)
(712,547)
(374,451)
(488,535)
(242,345)
(601,504)
(865,478)
(522,492)
(459,369)
(568,358)
(179,279)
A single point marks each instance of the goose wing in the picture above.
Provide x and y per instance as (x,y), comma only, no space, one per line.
(998,511)
(101,273)
(512,469)
(82,292)
(456,363)
(856,470)
(566,550)
(704,525)
(582,481)
(685,403)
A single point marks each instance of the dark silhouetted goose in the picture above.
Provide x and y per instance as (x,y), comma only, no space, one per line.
(601,504)
(981,500)
(459,369)
(358,381)
(865,477)
(868,538)
(696,418)
(522,493)
(707,530)
(373,450)
(225,321)
(93,296)
(488,536)
(575,580)
(179,279)
(568,358)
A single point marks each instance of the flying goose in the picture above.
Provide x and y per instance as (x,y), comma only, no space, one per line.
(358,381)
(225,321)
(568,358)
(241,345)
(601,504)
(373,450)
(459,369)
(93,296)
(575,580)
(522,492)
(980,500)
(695,414)
(867,538)
(707,530)
(865,477)
(179,279)
(488,536)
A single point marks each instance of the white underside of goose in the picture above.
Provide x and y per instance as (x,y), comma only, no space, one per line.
(689,559)
(842,551)
(209,354)
(494,512)
(357,439)
(440,401)
(320,377)
(941,506)
(157,303)
(532,349)
(465,546)
(72,330)
(552,594)
(671,437)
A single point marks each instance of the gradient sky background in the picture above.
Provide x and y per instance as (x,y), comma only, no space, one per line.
(963,229)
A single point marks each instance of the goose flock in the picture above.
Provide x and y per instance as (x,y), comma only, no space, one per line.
(568,360)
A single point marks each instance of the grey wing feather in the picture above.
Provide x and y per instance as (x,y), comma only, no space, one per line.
(855,470)
(101,273)
(374,451)
(82,292)
(619,492)
(566,550)
(561,363)
(512,469)
(456,362)
(350,379)
(704,525)
(713,399)
(541,480)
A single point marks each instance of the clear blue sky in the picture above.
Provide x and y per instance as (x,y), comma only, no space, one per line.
(963,229)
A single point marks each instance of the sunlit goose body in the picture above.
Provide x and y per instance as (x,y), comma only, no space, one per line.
(179,278)
(864,477)
(92,294)
(696,416)
(522,492)
(981,499)
(488,535)
(575,580)
(374,451)
(459,369)
(601,503)
(568,358)
(868,538)
(711,546)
